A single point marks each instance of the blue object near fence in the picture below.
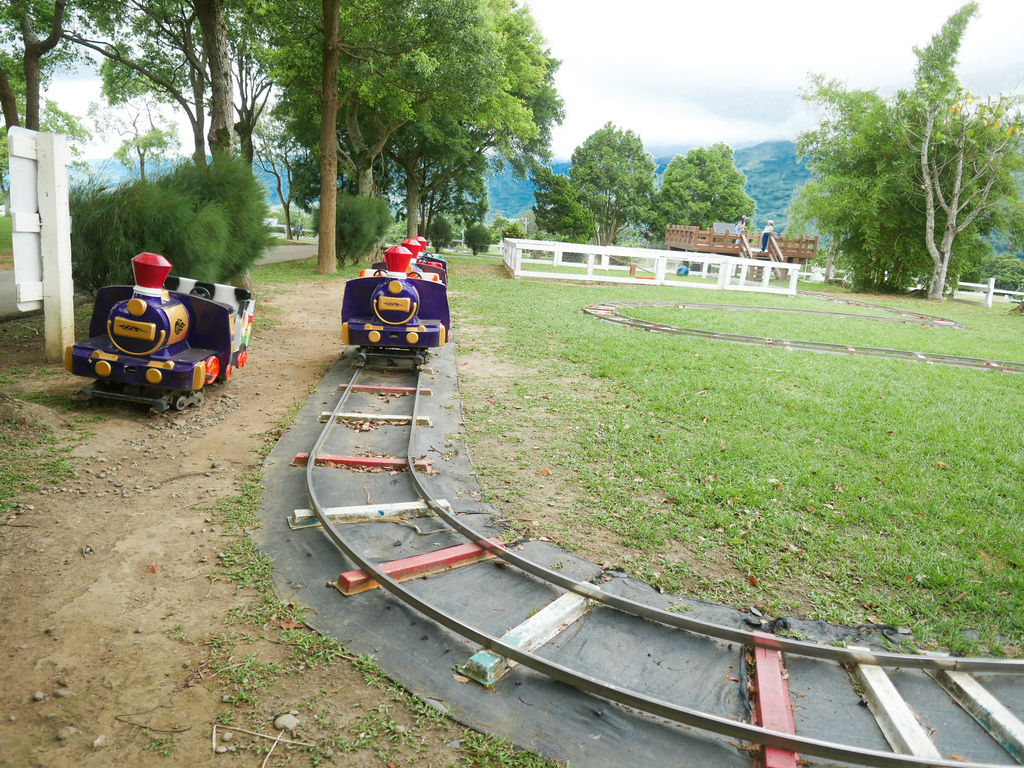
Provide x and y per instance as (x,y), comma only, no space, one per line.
(683,270)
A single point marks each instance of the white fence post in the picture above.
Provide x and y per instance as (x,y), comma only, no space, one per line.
(991,293)
(794,276)
(724,273)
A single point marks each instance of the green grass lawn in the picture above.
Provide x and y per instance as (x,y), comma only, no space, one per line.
(852,489)
(6,249)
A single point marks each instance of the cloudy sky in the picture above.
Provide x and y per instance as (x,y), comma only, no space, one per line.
(692,72)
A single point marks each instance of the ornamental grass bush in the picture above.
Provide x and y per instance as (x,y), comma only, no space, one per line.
(206,220)
(361,225)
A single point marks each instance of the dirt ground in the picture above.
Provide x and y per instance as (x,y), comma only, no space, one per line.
(116,616)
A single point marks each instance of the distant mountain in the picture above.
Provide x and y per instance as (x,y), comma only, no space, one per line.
(772,170)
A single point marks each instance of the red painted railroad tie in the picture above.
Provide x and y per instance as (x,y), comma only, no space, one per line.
(354,582)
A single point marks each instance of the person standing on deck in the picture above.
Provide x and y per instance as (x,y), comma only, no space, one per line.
(766,233)
(741,229)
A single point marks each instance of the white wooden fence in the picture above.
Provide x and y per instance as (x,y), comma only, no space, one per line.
(642,266)
(985,293)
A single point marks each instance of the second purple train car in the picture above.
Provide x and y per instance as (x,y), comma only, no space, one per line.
(395,313)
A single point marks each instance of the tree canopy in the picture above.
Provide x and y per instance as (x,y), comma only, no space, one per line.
(614,176)
(701,188)
(559,210)
(909,187)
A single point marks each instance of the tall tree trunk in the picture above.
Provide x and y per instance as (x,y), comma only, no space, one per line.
(34,51)
(938,282)
(327,258)
(244,131)
(215,45)
(8,101)
(31,66)
(412,202)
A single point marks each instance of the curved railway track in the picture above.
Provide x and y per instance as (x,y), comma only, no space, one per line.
(760,656)
(612,312)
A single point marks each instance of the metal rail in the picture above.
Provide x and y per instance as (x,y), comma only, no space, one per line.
(611,312)
(673,712)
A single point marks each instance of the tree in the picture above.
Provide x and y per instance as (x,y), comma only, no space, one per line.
(150,46)
(39,26)
(558,208)
(213,26)
(703,187)
(861,194)
(910,187)
(969,148)
(377,77)
(276,152)
(249,39)
(478,237)
(511,229)
(442,235)
(1007,269)
(615,178)
(148,137)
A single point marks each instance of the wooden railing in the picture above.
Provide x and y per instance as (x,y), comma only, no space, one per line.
(799,250)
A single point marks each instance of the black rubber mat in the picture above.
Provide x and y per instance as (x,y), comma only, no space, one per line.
(530,709)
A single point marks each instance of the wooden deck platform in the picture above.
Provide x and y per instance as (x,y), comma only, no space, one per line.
(797,250)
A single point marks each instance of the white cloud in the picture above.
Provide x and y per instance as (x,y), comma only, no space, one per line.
(690,73)
(693,73)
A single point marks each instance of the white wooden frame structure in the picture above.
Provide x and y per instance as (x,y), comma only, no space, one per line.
(643,266)
(41,232)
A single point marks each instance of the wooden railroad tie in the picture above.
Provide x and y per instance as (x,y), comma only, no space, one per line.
(369,462)
(773,708)
(395,418)
(486,667)
(387,390)
(417,566)
(304,518)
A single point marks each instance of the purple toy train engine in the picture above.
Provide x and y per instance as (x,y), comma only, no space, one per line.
(395,313)
(163,340)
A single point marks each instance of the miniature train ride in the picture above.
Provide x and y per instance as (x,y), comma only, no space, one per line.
(397,308)
(163,340)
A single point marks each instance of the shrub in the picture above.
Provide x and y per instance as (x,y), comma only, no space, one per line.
(514,230)
(361,224)
(478,237)
(207,221)
(442,235)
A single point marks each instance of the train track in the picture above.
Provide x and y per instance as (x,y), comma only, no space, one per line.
(613,312)
(587,611)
